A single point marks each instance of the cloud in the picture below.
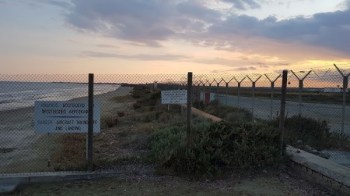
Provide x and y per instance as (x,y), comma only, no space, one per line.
(142,57)
(328,30)
(244,4)
(149,22)
(146,22)
(65,4)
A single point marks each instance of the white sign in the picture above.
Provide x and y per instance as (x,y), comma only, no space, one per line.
(64,117)
(174,97)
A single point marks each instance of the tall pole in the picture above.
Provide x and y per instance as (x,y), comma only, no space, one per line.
(226,93)
(90,122)
(253,93)
(272,92)
(238,93)
(253,105)
(238,88)
(283,107)
(189,107)
(345,87)
(301,86)
(271,104)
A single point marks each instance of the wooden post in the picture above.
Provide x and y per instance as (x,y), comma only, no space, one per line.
(189,107)
(283,107)
(90,123)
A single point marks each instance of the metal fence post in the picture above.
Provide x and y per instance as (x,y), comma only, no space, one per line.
(227,92)
(238,88)
(301,86)
(345,87)
(189,107)
(238,93)
(283,107)
(253,93)
(90,123)
(272,92)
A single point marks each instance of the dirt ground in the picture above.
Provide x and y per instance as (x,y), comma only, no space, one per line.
(140,182)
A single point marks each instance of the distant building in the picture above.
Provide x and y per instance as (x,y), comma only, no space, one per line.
(334,90)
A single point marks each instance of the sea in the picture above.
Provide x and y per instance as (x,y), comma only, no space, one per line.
(14,95)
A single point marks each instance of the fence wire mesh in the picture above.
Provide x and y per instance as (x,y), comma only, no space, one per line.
(316,93)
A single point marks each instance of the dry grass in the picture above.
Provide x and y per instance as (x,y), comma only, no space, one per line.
(71,155)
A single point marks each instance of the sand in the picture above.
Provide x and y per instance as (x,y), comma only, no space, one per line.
(24,150)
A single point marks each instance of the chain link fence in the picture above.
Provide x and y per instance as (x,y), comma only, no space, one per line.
(23,149)
(317,93)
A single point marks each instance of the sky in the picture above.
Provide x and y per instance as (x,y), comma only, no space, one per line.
(172,36)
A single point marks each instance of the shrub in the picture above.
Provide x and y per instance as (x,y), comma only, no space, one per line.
(147,101)
(217,147)
(121,114)
(198,104)
(108,121)
(165,141)
(71,154)
(140,91)
(230,114)
(136,105)
(310,131)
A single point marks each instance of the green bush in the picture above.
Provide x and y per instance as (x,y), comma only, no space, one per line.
(217,147)
(164,142)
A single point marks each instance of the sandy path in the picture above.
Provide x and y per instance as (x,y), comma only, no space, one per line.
(19,143)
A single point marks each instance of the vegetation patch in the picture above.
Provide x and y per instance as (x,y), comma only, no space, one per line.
(71,155)
(302,131)
(230,114)
(108,121)
(217,147)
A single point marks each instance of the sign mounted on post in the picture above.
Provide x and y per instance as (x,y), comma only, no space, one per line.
(64,117)
(174,97)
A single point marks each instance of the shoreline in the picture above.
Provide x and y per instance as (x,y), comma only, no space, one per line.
(18,135)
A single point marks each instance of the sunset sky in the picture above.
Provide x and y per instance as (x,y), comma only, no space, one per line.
(172,36)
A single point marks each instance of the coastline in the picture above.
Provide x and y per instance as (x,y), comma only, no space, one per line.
(18,138)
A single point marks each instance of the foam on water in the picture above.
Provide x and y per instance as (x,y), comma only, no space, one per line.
(15,95)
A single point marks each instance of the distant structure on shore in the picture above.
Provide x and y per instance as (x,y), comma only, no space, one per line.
(334,90)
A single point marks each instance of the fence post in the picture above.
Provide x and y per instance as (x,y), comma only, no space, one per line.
(253,93)
(301,86)
(272,92)
(253,105)
(283,106)
(90,123)
(238,88)
(345,87)
(189,107)
(238,93)
(226,93)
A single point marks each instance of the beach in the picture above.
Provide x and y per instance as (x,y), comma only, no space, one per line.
(24,150)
